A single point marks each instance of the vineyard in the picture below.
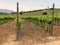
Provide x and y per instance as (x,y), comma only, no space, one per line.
(44,21)
(27,22)
(4,19)
(38,27)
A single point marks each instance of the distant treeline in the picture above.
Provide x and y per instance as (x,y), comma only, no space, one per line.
(16,12)
(3,13)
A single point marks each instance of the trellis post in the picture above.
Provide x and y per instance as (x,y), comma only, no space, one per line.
(52,19)
(17,11)
(17,20)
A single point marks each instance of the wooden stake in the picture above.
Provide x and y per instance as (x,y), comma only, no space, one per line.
(52,19)
(17,21)
(17,11)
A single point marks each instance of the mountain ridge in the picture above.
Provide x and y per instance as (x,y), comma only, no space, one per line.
(6,11)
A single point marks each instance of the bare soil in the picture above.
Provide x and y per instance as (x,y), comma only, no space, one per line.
(30,34)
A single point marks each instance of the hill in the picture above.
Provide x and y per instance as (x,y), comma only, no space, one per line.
(6,11)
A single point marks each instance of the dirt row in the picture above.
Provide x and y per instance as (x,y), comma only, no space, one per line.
(6,30)
(30,34)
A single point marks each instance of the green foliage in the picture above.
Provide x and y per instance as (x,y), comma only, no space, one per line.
(49,21)
(5,19)
(18,24)
(56,18)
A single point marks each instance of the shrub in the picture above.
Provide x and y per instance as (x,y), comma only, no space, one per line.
(44,13)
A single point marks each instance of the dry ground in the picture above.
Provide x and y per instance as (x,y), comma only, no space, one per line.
(30,35)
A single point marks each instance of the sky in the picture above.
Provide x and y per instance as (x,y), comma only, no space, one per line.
(26,5)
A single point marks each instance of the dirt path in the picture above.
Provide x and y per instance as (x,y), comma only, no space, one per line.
(30,35)
(6,30)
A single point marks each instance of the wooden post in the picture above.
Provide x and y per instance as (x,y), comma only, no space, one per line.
(17,11)
(52,19)
(17,21)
